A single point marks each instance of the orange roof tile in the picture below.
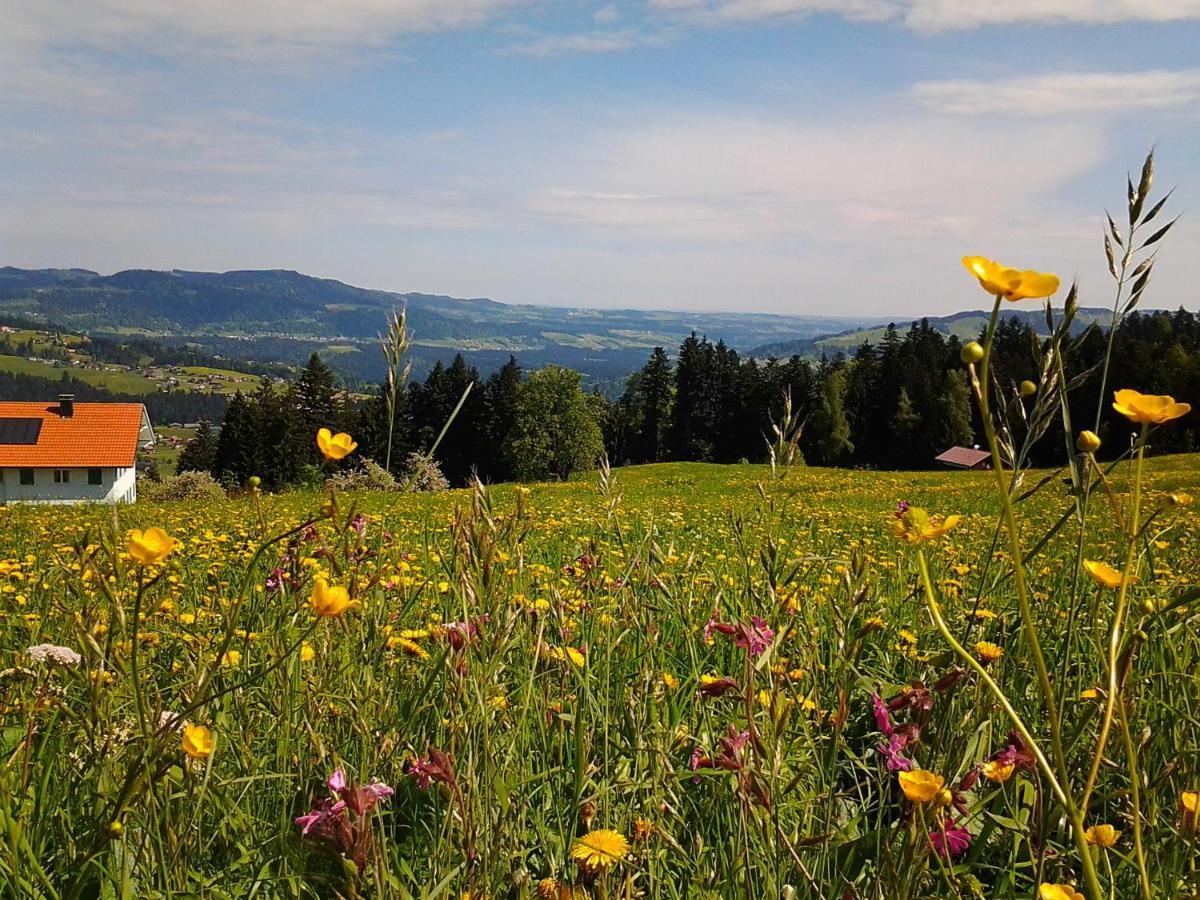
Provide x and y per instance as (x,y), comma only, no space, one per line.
(963,457)
(97,435)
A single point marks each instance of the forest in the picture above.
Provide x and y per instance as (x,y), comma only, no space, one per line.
(894,405)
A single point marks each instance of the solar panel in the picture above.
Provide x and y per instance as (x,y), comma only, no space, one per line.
(20,431)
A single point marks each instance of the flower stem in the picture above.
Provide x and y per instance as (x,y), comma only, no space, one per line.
(1027,619)
(1135,797)
(1115,634)
(1077,829)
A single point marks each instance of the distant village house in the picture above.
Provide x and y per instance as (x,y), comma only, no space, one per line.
(70,452)
(965,458)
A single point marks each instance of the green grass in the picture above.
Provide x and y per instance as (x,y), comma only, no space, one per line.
(166,455)
(196,378)
(124,382)
(629,577)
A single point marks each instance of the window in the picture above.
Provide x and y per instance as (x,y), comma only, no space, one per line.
(26,476)
(95,476)
(62,476)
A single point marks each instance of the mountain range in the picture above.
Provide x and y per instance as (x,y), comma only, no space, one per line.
(283,316)
(276,315)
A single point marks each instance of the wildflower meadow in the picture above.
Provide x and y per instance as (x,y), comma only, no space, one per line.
(676,680)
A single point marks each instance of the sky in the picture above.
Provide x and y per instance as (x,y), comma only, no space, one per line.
(793,156)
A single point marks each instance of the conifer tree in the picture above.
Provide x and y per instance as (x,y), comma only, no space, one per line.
(200,453)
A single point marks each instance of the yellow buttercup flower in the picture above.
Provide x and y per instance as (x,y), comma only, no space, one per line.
(1148,409)
(1104,574)
(1048,891)
(1011,284)
(335,446)
(599,849)
(997,771)
(916,525)
(330,600)
(151,546)
(1102,836)
(920,786)
(1181,498)
(198,741)
(1189,802)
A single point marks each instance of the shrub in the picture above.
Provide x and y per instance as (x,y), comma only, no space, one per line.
(422,473)
(184,486)
(370,476)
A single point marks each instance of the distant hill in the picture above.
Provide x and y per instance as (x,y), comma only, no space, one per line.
(278,315)
(965,325)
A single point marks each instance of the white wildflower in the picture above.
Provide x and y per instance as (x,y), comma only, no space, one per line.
(53,653)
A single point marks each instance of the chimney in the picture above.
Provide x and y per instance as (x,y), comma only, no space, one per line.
(66,405)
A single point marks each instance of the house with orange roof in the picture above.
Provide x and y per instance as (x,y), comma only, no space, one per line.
(68,452)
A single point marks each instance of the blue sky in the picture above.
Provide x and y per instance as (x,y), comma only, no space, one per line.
(801,156)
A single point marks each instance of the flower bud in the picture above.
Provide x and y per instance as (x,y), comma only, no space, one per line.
(254,481)
(971,352)
(1027,388)
(1088,441)
(115,829)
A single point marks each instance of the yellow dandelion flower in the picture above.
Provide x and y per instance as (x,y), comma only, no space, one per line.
(599,849)
(988,652)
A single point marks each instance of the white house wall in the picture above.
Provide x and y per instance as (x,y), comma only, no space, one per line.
(116,486)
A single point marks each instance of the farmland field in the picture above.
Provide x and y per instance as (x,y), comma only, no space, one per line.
(113,379)
(686,657)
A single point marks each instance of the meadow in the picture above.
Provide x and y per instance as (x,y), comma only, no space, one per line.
(677,680)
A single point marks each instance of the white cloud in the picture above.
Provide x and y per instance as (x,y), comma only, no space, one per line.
(948,15)
(943,15)
(588,42)
(717,11)
(62,53)
(262,26)
(749,180)
(1060,93)
(607,14)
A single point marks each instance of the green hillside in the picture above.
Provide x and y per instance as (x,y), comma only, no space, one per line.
(284,316)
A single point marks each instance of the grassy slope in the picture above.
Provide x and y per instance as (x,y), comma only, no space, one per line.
(685,539)
(120,382)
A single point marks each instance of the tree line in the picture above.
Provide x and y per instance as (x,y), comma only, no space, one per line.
(162,406)
(509,426)
(895,404)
